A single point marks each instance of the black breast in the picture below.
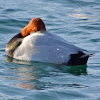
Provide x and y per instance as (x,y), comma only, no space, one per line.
(13,44)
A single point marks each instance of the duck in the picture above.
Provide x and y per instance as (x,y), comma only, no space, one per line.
(35,43)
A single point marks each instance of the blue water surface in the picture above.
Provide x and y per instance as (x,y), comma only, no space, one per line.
(77,21)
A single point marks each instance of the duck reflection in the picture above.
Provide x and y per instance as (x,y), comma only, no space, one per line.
(26,86)
(75,70)
(23,75)
(28,75)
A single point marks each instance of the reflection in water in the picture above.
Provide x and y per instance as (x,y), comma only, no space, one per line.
(75,70)
(9,59)
(23,75)
(80,16)
(29,74)
(26,86)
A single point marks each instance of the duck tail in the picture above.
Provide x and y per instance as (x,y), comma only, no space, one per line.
(86,55)
(79,59)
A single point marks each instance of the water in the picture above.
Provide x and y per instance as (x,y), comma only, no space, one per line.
(78,22)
